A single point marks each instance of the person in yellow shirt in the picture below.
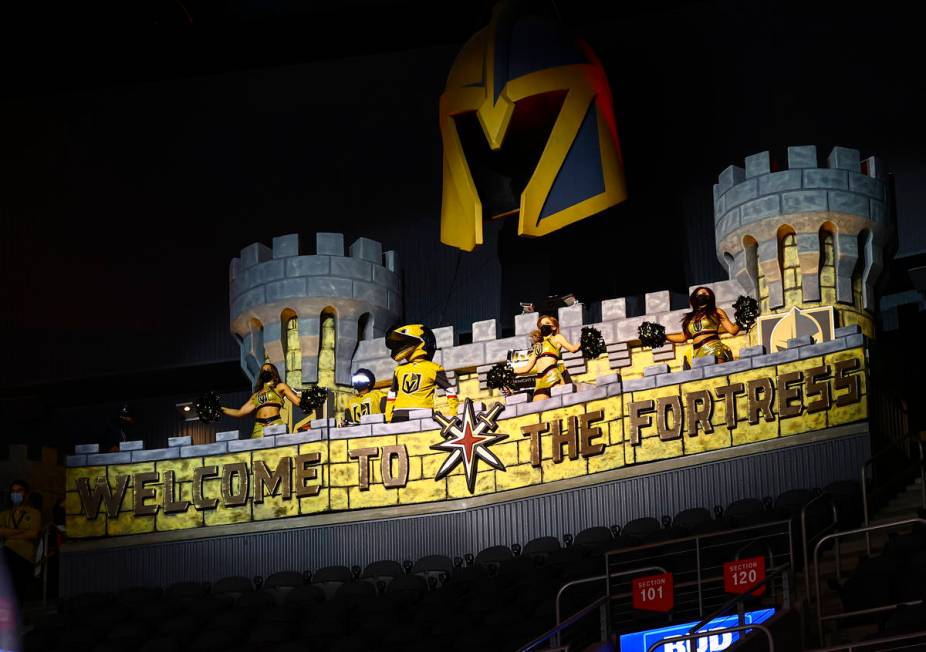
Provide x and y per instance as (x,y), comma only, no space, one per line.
(20,528)
(417,377)
(266,401)
(367,400)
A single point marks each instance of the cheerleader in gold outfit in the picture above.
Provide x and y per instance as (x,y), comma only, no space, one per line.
(546,358)
(703,326)
(267,400)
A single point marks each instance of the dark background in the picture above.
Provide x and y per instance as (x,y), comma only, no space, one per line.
(143,144)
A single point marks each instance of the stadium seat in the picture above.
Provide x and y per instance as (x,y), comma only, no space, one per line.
(187,590)
(642,530)
(233,587)
(594,538)
(330,578)
(354,591)
(283,581)
(407,589)
(541,548)
(847,496)
(436,569)
(304,596)
(380,573)
(256,600)
(491,558)
(743,513)
(696,520)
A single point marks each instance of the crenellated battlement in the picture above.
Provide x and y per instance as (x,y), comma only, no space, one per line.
(269,286)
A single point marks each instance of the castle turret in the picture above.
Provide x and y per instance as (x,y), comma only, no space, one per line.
(807,235)
(306,313)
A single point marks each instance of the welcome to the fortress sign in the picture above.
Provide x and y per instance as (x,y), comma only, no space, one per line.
(586,434)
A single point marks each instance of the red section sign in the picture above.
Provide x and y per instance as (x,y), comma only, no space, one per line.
(739,575)
(654,592)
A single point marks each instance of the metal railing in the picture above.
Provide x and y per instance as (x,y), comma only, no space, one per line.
(837,535)
(714,632)
(738,600)
(861,645)
(805,539)
(554,633)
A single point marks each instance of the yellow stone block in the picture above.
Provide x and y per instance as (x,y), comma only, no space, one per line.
(719,413)
(720,438)
(837,415)
(745,433)
(376,496)
(524,451)
(79,527)
(347,474)
(828,295)
(611,458)
(275,506)
(506,451)
(457,488)
(803,423)
(338,500)
(182,468)
(562,413)
(92,473)
(423,491)
(799,365)
(612,408)
(828,277)
(72,506)
(419,443)
(653,448)
(515,477)
(794,297)
(337,450)
(223,515)
(414,468)
(512,427)
(789,278)
(566,469)
(117,470)
(616,432)
(180,520)
(126,522)
(431,463)
(469,387)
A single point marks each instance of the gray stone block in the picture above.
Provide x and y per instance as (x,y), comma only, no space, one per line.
(391,261)
(199,450)
(593,394)
(274,430)
(382,276)
(285,246)
(299,438)
(179,441)
(372,418)
(803,340)
(740,193)
(729,178)
(228,435)
(757,164)
(323,423)
(607,379)
(136,445)
(848,202)
(234,267)
(351,431)
(802,156)
(866,185)
(778,357)
(565,388)
(367,249)
(396,428)
(444,337)
(371,293)
(329,244)
(394,303)
(703,361)
(264,273)
(780,182)
(663,356)
(464,356)
(75,460)
(525,323)
(248,300)
(823,348)
(570,316)
(760,208)
(352,268)
(516,398)
(750,351)
(485,330)
(423,413)
(657,302)
(308,266)
(478,406)
(254,254)
(254,444)
(618,347)
(803,201)
(540,406)
(824,178)
(429,424)
(109,458)
(85,449)
(613,309)
(639,384)
(328,286)
(844,158)
(677,377)
(729,222)
(628,329)
(725,368)
(845,331)
(156,455)
(853,341)
(290,288)
(656,369)
(877,211)
(615,389)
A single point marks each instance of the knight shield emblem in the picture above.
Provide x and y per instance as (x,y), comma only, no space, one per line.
(411,383)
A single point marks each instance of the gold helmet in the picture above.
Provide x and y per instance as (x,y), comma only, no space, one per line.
(539,98)
(411,342)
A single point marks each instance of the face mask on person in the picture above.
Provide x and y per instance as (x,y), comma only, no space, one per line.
(700,301)
(265,376)
(546,330)
(16,498)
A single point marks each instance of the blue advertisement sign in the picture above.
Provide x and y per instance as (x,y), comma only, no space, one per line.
(640,641)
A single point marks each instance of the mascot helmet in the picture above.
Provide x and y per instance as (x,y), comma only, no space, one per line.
(527,126)
(411,342)
(362,379)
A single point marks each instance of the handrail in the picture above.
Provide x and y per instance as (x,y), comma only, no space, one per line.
(714,632)
(837,535)
(848,647)
(805,539)
(894,446)
(546,636)
(606,577)
(742,596)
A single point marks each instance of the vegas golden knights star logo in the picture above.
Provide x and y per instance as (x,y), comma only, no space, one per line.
(411,383)
(469,440)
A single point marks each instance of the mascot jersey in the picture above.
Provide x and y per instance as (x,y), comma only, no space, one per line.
(413,385)
(373,402)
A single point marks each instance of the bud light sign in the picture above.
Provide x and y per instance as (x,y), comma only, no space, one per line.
(641,641)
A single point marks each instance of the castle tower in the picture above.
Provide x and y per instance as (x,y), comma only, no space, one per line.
(805,236)
(306,313)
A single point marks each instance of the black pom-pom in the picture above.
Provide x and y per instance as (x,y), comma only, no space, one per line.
(312,398)
(500,376)
(208,408)
(592,343)
(652,334)
(745,312)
